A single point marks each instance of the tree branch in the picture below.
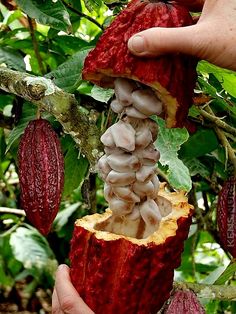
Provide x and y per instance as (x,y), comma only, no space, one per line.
(63,106)
(35,45)
(222,137)
(6,210)
(225,143)
(218,121)
(213,292)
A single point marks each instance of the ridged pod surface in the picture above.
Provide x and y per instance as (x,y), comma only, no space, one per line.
(226,215)
(185,302)
(172,77)
(126,275)
(41,174)
(123,261)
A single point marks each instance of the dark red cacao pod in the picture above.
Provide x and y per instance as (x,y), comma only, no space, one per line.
(226,215)
(184,302)
(120,274)
(172,76)
(41,174)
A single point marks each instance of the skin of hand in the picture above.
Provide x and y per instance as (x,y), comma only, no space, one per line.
(65,299)
(212,38)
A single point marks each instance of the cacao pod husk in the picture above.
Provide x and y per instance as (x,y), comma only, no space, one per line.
(226,215)
(120,274)
(41,174)
(172,76)
(184,302)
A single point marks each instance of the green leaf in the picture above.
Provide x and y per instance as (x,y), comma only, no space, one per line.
(64,215)
(193,112)
(205,237)
(24,44)
(14,266)
(75,3)
(5,279)
(28,114)
(178,175)
(4,166)
(213,275)
(12,58)
(228,273)
(92,4)
(220,170)
(199,144)
(233,307)
(168,143)
(206,67)
(75,169)
(51,13)
(228,81)
(15,15)
(212,91)
(6,258)
(101,94)
(186,267)
(31,248)
(85,88)
(5,100)
(227,78)
(195,167)
(204,268)
(212,307)
(70,44)
(68,75)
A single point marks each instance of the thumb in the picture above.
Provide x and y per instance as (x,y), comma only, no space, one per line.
(159,40)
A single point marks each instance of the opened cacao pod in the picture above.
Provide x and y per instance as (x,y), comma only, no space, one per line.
(120,274)
(117,264)
(226,215)
(172,77)
(41,174)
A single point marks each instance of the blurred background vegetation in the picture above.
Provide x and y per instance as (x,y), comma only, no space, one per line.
(52,38)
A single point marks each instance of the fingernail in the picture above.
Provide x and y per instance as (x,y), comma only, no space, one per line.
(137,44)
(62,267)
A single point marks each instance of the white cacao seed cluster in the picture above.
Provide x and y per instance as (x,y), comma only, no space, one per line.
(133,101)
(128,166)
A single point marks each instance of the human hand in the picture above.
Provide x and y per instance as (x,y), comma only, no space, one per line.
(65,299)
(212,38)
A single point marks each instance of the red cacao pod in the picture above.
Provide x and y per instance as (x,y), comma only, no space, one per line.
(128,275)
(41,174)
(172,77)
(226,215)
(184,302)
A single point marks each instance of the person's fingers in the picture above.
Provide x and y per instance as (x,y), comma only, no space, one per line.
(55,303)
(210,39)
(69,299)
(159,40)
